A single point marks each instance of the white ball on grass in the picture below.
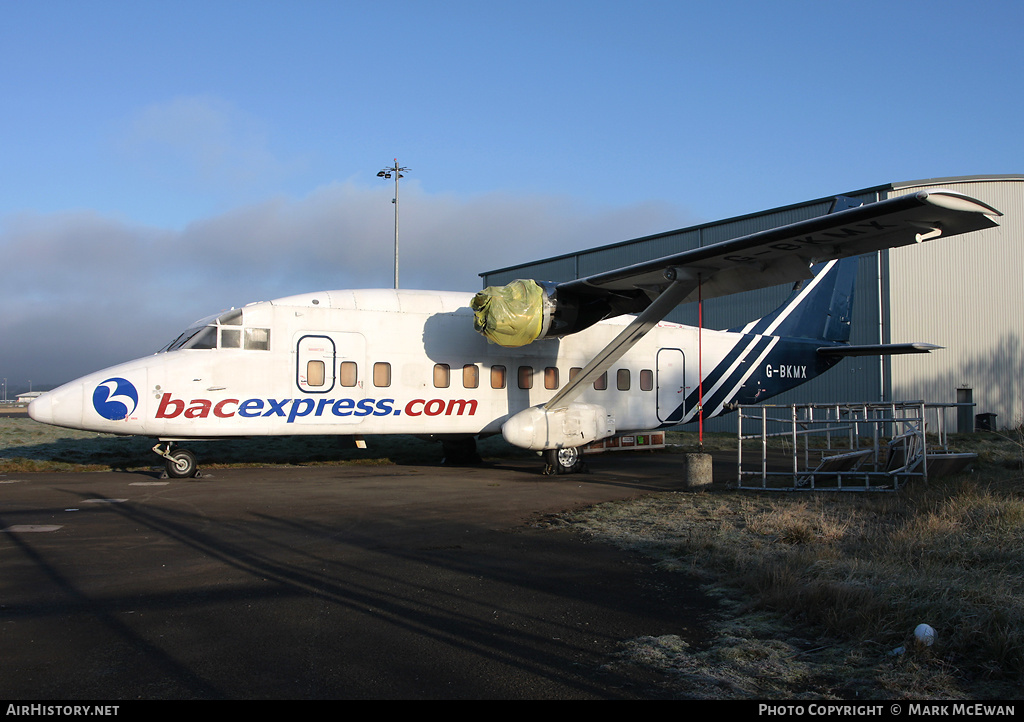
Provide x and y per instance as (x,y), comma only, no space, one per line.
(925,634)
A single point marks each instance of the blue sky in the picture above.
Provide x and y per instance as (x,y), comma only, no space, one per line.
(162,161)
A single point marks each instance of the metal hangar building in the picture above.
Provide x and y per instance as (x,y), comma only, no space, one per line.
(964,293)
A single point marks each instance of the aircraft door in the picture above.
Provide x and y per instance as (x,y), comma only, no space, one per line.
(671,385)
(314,369)
(331,366)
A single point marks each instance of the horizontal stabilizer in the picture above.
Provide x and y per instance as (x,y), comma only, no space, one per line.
(878,349)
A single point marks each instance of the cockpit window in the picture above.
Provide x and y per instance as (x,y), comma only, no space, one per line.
(231,318)
(257,339)
(231,338)
(206,338)
(183,340)
(173,344)
(223,331)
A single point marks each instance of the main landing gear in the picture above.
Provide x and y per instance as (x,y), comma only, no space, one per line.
(180,463)
(567,460)
(460,451)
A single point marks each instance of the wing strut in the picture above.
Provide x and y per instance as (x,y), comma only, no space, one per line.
(676,291)
(700,366)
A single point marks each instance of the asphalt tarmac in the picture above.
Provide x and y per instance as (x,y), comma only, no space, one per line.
(330,582)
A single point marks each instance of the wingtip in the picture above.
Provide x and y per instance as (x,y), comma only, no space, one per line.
(955,201)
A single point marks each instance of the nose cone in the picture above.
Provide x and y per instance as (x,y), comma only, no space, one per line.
(60,407)
(41,410)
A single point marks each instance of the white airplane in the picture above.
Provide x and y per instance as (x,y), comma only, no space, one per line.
(553,367)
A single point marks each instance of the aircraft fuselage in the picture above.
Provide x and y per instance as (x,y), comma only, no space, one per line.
(409,362)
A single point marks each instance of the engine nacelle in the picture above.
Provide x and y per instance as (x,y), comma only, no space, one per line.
(574,425)
(525,310)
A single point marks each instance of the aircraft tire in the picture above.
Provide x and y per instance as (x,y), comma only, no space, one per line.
(181,464)
(566,460)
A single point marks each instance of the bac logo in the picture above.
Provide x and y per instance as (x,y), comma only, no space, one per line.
(115,399)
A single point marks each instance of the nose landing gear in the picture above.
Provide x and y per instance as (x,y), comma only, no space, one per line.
(567,460)
(180,463)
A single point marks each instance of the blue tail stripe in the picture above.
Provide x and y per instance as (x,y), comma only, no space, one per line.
(819,308)
(720,396)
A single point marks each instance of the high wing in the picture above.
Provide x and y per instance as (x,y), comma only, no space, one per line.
(781,255)
(784,254)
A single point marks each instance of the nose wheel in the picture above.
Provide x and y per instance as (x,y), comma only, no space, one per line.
(567,460)
(179,463)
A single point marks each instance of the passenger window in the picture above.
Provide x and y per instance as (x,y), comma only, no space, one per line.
(497,377)
(257,339)
(349,373)
(622,379)
(231,338)
(601,382)
(574,372)
(646,379)
(316,373)
(551,378)
(470,376)
(441,376)
(526,377)
(381,374)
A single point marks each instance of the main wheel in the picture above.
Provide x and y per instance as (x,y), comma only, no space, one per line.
(181,464)
(563,461)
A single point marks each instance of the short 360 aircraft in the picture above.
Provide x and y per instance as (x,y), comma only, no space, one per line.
(550,366)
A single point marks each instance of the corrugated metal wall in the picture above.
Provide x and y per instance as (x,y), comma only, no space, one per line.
(966,294)
(961,295)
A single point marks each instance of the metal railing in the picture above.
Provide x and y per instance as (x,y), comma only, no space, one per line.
(843,446)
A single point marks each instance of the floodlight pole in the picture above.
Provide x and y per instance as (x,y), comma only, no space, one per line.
(386,173)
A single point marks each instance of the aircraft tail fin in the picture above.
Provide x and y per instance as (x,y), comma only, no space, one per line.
(819,308)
